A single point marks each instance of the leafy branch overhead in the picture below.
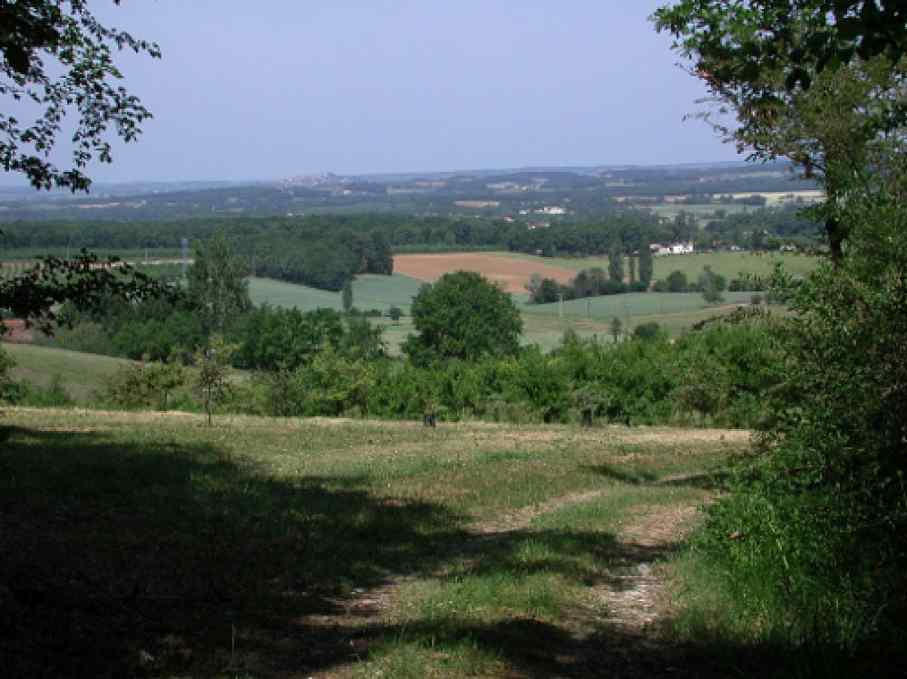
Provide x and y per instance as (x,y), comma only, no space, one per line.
(85,280)
(38,39)
(820,82)
(743,41)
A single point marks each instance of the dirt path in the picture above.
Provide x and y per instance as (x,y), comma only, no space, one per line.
(633,594)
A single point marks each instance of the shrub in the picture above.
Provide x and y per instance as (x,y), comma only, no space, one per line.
(648,331)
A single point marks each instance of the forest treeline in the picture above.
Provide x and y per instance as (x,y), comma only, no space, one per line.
(326,251)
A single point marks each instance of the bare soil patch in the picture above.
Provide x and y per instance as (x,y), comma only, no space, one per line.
(511,274)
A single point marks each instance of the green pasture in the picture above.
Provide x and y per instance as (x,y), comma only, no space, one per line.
(542,324)
(370,291)
(80,374)
(634,304)
(148,544)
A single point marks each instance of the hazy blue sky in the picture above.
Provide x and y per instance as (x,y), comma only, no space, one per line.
(281,87)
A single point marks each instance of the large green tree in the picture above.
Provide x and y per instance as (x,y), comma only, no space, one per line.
(463,316)
(218,288)
(818,521)
(616,260)
(646,265)
(821,83)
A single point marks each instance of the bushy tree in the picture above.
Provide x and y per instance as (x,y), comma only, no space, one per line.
(677,282)
(648,332)
(819,82)
(346,296)
(616,260)
(817,549)
(712,285)
(463,316)
(145,384)
(6,380)
(218,288)
(646,264)
(285,339)
(616,328)
(212,379)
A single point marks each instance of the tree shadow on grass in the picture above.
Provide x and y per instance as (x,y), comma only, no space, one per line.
(704,481)
(150,558)
(124,558)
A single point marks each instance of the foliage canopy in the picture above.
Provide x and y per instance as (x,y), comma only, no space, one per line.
(39,38)
(463,316)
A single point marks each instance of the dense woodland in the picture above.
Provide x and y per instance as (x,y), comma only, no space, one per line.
(326,251)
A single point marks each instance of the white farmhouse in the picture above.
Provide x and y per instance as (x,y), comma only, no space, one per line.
(660,250)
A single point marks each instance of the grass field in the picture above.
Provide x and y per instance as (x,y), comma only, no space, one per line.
(635,304)
(147,544)
(728,264)
(541,323)
(80,374)
(369,292)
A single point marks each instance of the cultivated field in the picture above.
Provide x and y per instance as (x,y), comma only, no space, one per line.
(511,273)
(147,544)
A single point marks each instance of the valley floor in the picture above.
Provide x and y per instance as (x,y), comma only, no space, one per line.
(148,543)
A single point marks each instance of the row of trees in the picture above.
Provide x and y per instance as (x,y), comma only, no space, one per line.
(321,363)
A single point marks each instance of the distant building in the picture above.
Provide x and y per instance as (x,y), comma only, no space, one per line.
(660,250)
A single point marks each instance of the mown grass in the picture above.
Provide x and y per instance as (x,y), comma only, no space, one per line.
(149,544)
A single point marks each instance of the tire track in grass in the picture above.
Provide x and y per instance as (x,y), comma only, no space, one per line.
(632,593)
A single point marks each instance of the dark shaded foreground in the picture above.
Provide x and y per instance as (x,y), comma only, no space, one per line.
(161,559)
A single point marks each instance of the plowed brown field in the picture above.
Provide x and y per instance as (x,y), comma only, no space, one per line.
(511,274)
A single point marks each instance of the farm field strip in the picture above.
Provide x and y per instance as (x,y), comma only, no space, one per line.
(370,291)
(632,305)
(513,274)
(728,264)
(333,548)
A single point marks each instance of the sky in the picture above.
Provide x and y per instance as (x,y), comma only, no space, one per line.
(276,88)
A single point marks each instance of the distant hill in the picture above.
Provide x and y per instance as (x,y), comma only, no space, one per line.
(587,192)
